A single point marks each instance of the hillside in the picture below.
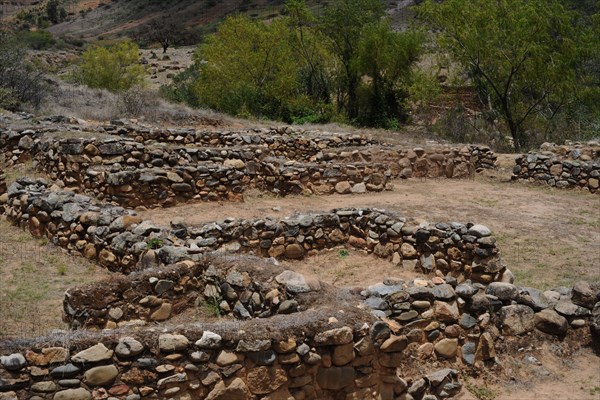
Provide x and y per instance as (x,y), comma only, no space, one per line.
(110,19)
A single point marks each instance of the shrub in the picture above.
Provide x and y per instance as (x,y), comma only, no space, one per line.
(135,101)
(37,40)
(20,82)
(115,68)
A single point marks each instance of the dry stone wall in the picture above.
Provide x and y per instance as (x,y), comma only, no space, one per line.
(149,173)
(120,240)
(356,361)
(568,166)
(371,350)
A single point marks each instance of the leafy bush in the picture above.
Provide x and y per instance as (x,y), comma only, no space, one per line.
(37,40)
(115,68)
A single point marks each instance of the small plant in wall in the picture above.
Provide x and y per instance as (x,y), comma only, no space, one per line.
(155,243)
(212,306)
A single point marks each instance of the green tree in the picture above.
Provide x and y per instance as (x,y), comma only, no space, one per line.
(387,58)
(115,68)
(55,12)
(312,54)
(248,67)
(343,23)
(523,55)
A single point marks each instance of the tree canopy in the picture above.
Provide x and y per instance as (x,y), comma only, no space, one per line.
(346,64)
(115,67)
(524,56)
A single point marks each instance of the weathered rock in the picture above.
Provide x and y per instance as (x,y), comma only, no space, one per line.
(297,283)
(583,295)
(168,342)
(334,337)
(263,380)
(100,376)
(549,321)
(516,319)
(13,362)
(502,290)
(128,347)
(234,390)
(209,340)
(94,354)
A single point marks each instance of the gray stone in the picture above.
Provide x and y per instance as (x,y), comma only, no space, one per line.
(516,319)
(502,290)
(571,310)
(297,283)
(465,290)
(253,345)
(64,371)
(13,362)
(443,292)
(128,347)
(479,231)
(467,321)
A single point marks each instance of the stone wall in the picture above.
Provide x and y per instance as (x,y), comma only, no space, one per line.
(132,173)
(568,166)
(119,239)
(356,362)
(318,352)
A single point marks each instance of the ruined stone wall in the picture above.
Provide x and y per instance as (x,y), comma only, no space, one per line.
(119,239)
(358,361)
(317,354)
(568,166)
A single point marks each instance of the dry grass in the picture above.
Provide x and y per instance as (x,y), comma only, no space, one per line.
(33,278)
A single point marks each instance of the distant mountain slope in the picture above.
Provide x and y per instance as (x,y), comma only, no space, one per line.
(110,19)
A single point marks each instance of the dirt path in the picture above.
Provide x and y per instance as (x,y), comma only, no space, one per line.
(548,237)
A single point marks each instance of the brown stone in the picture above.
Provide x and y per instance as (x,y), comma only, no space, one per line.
(162,313)
(394,343)
(234,390)
(446,348)
(294,251)
(263,380)
(335,378)
(343,354)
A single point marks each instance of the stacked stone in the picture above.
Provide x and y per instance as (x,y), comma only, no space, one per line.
(223,290)
(362,363)
(17,146)
(561,167)
(447,319)
(117,237)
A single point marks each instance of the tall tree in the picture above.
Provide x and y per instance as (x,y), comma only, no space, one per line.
(523,55)
(343,22)
(247,67)
(387,58)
